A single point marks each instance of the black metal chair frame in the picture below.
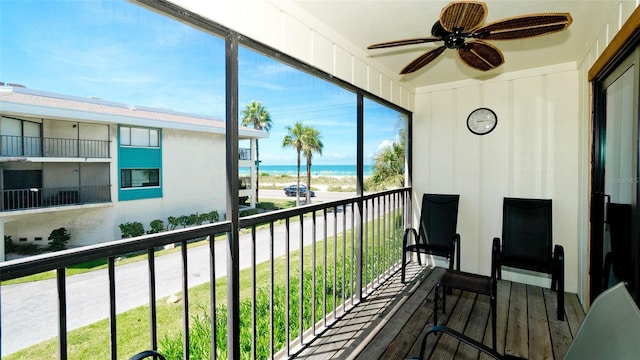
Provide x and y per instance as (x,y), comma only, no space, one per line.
(522,253)
(437,231)
(148,354)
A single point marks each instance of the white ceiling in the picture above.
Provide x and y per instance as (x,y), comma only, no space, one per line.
(365,22)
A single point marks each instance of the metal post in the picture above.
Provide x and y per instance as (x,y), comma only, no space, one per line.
(233,263)
(360,192)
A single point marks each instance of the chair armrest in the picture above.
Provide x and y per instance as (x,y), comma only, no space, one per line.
(405,237)
(558,255)
(456,245)
(148,353)
(496,250)
(465,339)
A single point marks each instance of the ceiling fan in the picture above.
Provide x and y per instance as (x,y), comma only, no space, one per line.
(461,27)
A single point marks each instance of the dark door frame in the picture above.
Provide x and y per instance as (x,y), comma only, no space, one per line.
(622,46)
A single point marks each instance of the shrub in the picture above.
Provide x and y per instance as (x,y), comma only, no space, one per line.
(27,249)
(173,222)
(9,245)
(192,220)
(156,226)
(59,239)
(131,229)
(247,212)
(183,220)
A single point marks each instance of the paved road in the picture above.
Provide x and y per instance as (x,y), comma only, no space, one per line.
(29,311)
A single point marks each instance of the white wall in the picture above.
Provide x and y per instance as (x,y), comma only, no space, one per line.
(532,153)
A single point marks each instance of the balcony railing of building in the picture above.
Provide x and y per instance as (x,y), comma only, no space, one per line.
(302,269)
(244,154)
(23,199)
(26,146)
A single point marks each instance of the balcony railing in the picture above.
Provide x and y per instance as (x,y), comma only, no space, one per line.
(22,199)
(303,268)
(244,154)
(25,146)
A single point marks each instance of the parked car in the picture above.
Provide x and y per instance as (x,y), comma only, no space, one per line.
(291,191)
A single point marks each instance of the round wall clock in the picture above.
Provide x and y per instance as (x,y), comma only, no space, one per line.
(482,121)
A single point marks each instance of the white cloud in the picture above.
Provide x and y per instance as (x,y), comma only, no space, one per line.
(385,144)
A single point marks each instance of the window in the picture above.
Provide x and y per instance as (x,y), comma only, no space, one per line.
(135,178)
(131,136)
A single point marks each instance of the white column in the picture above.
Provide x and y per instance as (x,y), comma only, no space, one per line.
(253,172)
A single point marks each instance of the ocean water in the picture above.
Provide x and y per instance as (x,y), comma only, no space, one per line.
(316,170)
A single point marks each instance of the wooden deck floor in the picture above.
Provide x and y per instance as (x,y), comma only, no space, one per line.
(392,321)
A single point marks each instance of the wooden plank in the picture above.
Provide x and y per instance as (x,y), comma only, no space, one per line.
(353,328)
(560,333)
(458,317)
(517,338)
(401,332)
(452,301)
(502,309)
(575,312)
(476,327)
(391,323)
(539,337)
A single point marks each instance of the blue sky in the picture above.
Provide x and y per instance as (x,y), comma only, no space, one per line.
(121,52)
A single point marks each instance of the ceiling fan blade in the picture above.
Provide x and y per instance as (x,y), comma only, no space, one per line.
(403,42)
(423,60)
(481,55)
(438,31)
(466,15)
(524,26)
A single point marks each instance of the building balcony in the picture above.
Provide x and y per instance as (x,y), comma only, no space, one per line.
(244,154)
(344,248)
(34,198)
(25,146)
(318,281)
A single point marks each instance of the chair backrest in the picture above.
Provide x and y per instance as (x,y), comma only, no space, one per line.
(610,330)
(527,234)
(438,219)
(619,220)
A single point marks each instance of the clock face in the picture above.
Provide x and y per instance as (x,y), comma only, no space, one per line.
(482,121)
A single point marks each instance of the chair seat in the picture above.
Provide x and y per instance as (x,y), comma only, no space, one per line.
(465,281)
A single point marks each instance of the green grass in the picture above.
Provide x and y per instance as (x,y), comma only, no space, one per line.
(133,327)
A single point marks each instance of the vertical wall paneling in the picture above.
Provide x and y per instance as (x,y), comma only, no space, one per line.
(531,153)
(323,56)
(467,149)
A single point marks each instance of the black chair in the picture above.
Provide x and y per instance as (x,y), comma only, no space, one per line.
(526,243)
(437,232)
(619,258)
(148,354)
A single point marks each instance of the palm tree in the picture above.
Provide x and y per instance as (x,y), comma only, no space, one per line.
(389,162)
(388,167)
(311,143)
(293,139)
(256,115)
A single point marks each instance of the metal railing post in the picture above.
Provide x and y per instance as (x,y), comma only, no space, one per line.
(233,249)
